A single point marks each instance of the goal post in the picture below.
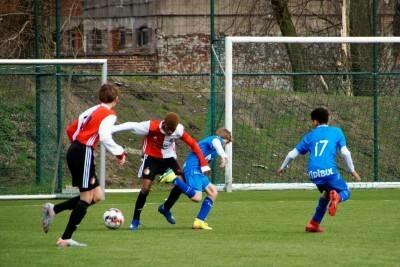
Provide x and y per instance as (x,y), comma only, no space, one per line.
(228,73)
(20,70)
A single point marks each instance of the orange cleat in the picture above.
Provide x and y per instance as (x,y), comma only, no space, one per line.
(313,227)
(333,203)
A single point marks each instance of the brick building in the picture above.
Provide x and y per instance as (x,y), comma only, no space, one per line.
(174,35)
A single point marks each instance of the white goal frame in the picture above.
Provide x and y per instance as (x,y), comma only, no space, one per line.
(229,41)
(103,63)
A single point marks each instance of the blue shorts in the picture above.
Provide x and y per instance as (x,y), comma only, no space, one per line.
(335,182)
(196,179)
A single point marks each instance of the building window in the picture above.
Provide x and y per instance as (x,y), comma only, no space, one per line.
(122,38)
(97,39)
(143,36)
(75,42)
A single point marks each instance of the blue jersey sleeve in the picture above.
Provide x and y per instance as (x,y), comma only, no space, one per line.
(303,146)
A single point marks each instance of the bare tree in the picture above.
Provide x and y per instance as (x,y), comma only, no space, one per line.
(396,29)
(295,51)
(16,36)
(361,55)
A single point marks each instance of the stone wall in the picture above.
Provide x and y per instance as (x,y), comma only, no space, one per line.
(183,54)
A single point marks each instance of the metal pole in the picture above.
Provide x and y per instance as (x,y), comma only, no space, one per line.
(212,105)
(59,93)
(102,148)
(375,86)
(212,75)
(228,110)
(38,95)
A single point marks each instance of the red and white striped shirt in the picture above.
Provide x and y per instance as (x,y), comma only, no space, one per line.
(157,143)
(94,125)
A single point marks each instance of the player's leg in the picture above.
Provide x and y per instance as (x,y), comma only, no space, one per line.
(174,194)
(81,164)
(147,171)
(75,157)
(139,204)
(206,206)
(339,193)
(313,225)
(76,217)
(171,177)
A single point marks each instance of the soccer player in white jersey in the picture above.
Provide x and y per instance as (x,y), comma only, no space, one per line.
(92,126)
(322,143)
(159,155)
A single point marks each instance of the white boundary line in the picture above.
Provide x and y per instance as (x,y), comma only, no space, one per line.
(221,187)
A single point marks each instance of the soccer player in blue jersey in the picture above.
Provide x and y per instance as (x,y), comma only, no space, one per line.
(322,143)
(196,181)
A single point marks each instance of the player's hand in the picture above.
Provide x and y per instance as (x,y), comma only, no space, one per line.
(280,172)
(356,176)
(122,158)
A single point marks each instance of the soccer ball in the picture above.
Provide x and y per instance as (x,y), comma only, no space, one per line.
(113,218)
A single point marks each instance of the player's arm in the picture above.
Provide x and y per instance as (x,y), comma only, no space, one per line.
(289,158)
(105,137)
(192,143)
(139,128)
(345,153)
(220,151)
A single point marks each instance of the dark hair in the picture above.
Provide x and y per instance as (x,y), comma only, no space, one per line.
(108,93)
(171,121)
(321,115)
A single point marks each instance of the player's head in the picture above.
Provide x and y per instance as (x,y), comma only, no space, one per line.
(170,123)
(108,93)
(320,115)
(224,134)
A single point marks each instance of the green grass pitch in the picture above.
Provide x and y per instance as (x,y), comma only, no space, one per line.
(259,228)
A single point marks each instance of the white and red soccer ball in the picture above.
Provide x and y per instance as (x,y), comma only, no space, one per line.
(113,218)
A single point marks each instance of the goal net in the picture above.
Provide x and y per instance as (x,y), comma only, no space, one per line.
(266,88)
(39,98)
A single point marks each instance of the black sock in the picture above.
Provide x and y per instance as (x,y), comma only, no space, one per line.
(77,214)
(141,199)
(66,205)
(172,198)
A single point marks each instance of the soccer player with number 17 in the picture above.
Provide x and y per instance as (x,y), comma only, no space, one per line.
(322,143)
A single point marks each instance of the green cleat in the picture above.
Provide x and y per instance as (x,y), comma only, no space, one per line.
(168,177)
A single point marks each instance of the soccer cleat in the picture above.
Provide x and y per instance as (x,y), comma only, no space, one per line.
(333,203)
(200,224)
(134,225)
(62,243)
(167,214)
(168,177)
(48,216)
(313,227)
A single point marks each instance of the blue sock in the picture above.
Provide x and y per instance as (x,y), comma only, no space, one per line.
(186,189)
(205,209)
(321,209)
(344,195)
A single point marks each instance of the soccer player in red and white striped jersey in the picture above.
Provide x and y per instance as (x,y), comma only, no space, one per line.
(92,126)
(159,154)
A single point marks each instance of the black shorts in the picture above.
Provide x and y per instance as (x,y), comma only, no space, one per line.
(152,166)
(80,159)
